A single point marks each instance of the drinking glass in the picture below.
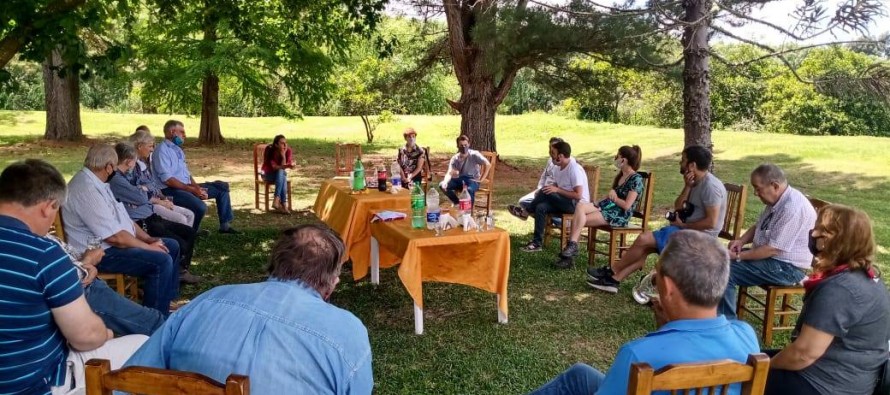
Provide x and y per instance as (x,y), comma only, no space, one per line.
(480,223)
(645,291)
(439,227)
(94,242)
(489,222)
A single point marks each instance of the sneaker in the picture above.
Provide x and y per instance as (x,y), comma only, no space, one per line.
(517,212)
(607,284)
(564,263)
(532,247)
(570,251)
(188,278)
(599,272)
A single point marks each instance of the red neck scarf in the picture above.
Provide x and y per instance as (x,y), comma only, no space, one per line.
(814,280)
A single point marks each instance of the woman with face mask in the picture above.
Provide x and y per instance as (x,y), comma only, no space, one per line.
(277,159)
(840,341)
(412,158)
(614,209)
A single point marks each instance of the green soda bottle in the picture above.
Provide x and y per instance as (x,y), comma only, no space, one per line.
(358,175)
(418,214)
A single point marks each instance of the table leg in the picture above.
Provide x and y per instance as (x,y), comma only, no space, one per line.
(375,261)
(418,320)
(502,317)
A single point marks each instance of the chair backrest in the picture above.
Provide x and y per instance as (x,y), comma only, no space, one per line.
(684,378)
(101,380)
(59,226)
(427,166)
(644,208)
(493,159)
(259,153)
(344,157)
(593,181)
(736,195)
(818,203)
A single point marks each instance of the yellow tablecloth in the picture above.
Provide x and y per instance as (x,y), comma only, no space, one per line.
(477,259)
(350,215)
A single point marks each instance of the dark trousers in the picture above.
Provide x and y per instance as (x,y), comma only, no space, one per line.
(544,204)
(156,226)
(217,190)
(159,271)
(456,185)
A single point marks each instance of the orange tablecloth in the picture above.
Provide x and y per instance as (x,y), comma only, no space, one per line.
(477,259)
(350,215)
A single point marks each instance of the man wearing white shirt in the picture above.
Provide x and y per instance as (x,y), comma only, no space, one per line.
(520,210)
(568,188)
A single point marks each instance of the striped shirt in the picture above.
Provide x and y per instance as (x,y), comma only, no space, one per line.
(91,210)
(786,226)
(35,276)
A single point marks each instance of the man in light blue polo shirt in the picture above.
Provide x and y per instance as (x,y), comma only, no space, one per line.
(691,276)
(168,165)
(780,253)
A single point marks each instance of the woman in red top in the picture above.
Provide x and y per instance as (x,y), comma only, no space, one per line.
(277,158)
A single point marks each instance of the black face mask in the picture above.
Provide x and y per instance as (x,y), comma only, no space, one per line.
(811,244)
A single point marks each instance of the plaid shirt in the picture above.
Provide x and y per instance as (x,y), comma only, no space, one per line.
(786,226)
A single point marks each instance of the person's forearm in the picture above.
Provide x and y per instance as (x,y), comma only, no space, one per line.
(568,194)
(123,239)
(172,182)
(678,203)
(748,236)
(94,335)
(705,223)
(792,359)
(762,252)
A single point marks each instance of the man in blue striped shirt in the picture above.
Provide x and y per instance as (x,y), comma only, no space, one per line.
(42,308)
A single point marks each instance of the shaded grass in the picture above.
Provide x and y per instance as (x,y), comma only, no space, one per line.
(555,319)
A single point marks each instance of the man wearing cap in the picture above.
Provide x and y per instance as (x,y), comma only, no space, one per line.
(411,157)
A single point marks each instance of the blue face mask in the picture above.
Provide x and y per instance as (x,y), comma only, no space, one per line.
(178,141)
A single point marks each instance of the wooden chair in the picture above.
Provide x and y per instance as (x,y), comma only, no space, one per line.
(764,299)
(344,157)
(259,151)
(486,186)
(120,283)
(101,380)
(700,378)
(565,223)
(736,196)
(617,236)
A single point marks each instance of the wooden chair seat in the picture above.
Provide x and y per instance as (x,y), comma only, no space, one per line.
(259,151)
(101,380)
(344,157)
(700,377)
(486,186)
(618,237)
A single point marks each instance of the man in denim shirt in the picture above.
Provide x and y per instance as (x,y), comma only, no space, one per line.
(281,333)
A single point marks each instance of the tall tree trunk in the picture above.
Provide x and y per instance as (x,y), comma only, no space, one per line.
(477,111)
(61,87)
(210,132)
(696,79)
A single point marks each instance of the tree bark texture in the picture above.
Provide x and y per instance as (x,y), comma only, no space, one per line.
(696,78)
(482,90)
(62,100)
(210,132)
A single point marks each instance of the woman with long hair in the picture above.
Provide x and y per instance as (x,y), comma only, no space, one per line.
(277,158)
(841,338)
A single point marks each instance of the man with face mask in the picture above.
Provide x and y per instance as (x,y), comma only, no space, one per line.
(779,252)
(141,211)
(521,209)
(282,333)
(91,211)
(168,165)
(700,206)
(412,158)
(467,167)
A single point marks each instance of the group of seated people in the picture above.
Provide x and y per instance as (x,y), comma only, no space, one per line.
(282,333)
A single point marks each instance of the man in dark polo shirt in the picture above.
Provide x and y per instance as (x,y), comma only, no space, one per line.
(43,313)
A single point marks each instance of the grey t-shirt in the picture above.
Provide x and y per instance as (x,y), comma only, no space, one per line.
(708,192)
(469,166)
(856,310)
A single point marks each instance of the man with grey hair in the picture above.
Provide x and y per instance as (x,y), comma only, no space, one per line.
(690,277)
(94,219)
(141,177)
(168,165)
(282,333)
(779,253)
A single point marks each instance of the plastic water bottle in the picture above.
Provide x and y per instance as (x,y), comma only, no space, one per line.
(358,171)
(465,204)
(417,211)
(432,208)
(396,172)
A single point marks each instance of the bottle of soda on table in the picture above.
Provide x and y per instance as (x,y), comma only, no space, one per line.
(418,214)
(358,171)
(381,178)
(465,203)
(396,173)
(432,207)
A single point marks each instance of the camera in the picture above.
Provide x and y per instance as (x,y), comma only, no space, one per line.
(684,212)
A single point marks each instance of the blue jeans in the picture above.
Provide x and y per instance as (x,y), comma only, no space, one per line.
(218,190)
(544,204)
(159,271)
(580,379)
(279,178)
(457,185)
(120,314)
(760,272)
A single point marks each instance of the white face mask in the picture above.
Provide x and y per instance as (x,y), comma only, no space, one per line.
(411,141)
(618,163)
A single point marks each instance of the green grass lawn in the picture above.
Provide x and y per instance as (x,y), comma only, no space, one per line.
(555,319)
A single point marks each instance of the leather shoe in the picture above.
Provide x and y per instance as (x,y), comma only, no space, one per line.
(188,278)
(230,231)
